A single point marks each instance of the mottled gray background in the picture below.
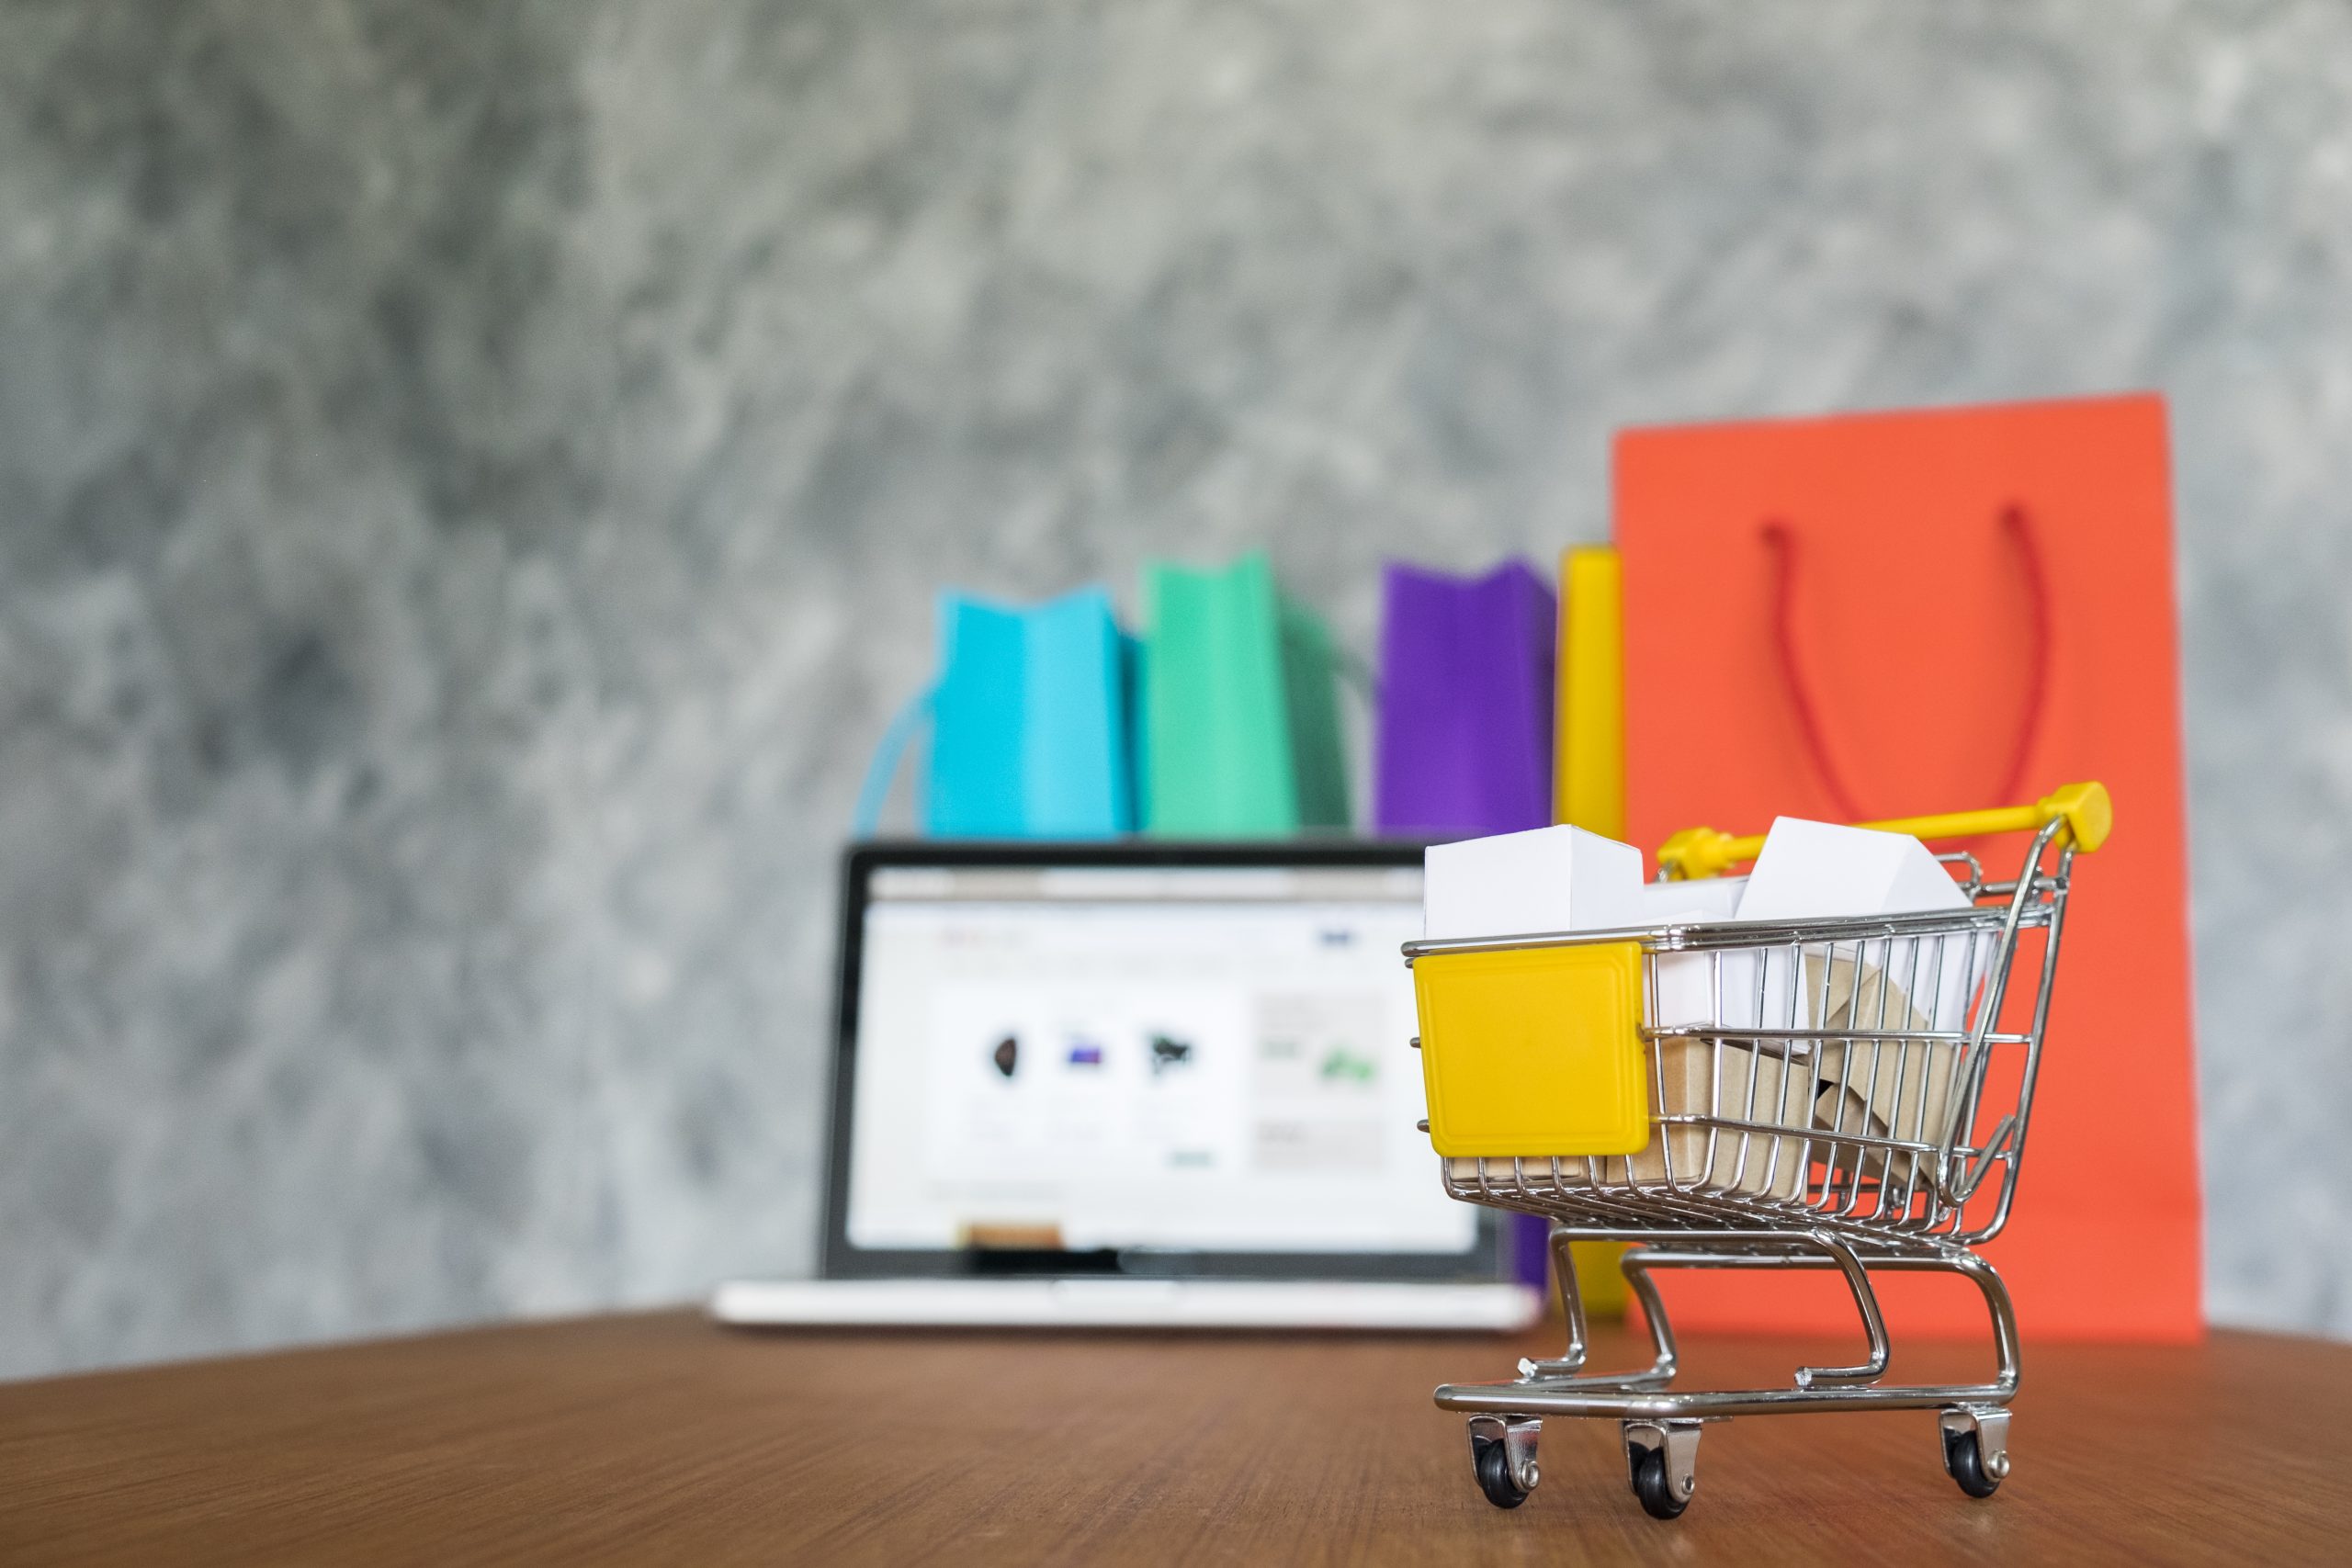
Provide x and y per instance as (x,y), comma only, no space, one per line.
(471,477)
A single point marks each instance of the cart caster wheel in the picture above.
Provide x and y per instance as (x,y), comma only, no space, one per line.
(1965,1459)
(1649,1484)
(1977,1447)
(1661,1458)
(1493,1463)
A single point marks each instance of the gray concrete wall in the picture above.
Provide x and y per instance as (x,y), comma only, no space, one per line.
(470,477)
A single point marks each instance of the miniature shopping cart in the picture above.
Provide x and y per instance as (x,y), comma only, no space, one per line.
(1848,1094)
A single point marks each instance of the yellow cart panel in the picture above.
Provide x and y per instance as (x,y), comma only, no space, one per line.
(1536,1052)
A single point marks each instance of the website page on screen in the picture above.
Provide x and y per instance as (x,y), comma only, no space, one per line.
(1209,1059)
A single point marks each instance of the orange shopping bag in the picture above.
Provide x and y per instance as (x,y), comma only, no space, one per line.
(1882,616)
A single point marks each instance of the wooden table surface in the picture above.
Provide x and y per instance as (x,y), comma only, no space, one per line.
(662,1438)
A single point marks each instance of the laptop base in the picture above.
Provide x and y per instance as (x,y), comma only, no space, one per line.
(1129,1303)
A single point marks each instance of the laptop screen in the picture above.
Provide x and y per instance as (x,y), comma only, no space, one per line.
(1139,1060)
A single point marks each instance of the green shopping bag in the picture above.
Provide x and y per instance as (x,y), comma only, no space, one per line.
(1241,710)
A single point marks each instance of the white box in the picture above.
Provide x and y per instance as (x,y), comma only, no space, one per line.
(1546,879)
(1707,899)
(1810,869)
(1686,981)
(1816,869)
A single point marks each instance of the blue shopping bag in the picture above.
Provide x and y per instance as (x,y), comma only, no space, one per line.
(1031,725)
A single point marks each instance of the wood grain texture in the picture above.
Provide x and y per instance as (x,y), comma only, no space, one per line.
(662,1439)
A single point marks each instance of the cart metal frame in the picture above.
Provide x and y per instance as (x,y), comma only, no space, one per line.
(1859,1193)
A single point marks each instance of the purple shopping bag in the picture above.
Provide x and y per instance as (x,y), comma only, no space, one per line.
(1465,741)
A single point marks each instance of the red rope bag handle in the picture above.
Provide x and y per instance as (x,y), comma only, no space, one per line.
(1782,542)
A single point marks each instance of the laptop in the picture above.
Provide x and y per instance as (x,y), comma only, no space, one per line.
(1135,1083)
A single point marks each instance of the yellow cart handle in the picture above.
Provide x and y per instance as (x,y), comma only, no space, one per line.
(2084,808)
